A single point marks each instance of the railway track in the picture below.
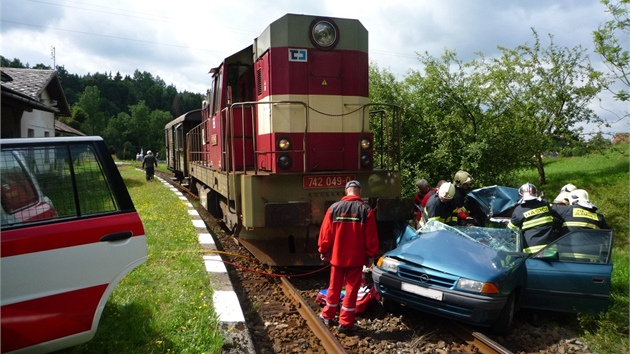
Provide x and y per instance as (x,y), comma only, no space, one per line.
(311,332)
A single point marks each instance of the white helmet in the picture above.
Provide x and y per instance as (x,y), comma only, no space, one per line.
(462,177)
(528,191)
(446,191)
(568,188)
(579,196)
(563,198)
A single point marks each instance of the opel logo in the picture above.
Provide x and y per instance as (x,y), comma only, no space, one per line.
(424,278)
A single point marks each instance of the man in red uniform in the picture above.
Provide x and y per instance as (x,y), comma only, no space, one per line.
(347,238)
(425,191)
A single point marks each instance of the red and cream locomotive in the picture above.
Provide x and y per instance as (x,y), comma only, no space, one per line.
(287,122)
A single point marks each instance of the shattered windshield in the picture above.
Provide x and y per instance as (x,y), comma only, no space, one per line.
(501,239)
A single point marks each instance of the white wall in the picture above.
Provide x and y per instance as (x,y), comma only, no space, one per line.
(41,122)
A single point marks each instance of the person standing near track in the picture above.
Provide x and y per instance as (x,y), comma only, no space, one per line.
(150,162)
(348,238)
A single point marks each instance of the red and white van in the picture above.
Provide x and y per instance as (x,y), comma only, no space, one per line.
(69,233)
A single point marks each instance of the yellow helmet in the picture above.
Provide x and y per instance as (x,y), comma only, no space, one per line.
(462,177)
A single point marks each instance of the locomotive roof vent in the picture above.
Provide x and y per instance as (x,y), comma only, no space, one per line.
(324,33)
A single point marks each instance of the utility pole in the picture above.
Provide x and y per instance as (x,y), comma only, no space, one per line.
(52,56)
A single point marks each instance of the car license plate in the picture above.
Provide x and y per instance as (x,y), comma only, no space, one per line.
(326,181)
(418,290)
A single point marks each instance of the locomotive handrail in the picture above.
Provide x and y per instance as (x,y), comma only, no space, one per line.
(394,134)
(254,131)
(230,122)
(387,135)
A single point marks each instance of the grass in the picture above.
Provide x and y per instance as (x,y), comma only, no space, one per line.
(606,178)
(165,305)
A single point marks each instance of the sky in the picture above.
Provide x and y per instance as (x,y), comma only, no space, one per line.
(180,41)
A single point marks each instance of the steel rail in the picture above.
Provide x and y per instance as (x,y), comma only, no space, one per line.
(480,341)
(328,340)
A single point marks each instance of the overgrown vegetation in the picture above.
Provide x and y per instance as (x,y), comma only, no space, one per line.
(165,305)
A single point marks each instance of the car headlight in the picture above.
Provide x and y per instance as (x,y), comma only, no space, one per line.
(477,286)
(389,264)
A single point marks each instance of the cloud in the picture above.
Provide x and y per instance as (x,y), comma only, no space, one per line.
(180,41)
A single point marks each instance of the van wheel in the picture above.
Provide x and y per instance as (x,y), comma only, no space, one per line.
(503,325)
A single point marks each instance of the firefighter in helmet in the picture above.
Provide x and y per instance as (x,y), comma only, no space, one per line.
(580,214)
(440,206)
(565,193)
(462,181)
(536,219)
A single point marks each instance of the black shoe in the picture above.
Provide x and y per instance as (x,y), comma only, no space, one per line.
(344,329)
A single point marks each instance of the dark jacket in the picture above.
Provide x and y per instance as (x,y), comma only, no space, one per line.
(348,233)
(438,210)
(149,161)
(536,219)
(577,217)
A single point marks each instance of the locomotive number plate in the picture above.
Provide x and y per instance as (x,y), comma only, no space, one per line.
(326,181)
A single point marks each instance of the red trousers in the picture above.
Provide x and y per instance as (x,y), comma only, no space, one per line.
(350,277)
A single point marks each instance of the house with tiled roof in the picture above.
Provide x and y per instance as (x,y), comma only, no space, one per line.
(32,100)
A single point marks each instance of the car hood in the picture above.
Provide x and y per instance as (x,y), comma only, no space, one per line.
(455,254)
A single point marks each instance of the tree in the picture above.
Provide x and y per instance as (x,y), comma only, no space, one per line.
(385,88)
(454,127)
(545,92)
(42,67)
(608,44)
(90,102)
(139,125)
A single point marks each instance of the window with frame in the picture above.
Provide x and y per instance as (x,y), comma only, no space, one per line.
(55,181)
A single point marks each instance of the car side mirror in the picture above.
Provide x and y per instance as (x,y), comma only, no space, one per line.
(548,255)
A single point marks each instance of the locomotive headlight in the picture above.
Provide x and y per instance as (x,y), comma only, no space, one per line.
(284,161)
(366,144)
(284,144)
(324,34)
(366,160)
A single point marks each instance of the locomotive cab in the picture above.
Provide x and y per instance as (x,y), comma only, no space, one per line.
(288,122)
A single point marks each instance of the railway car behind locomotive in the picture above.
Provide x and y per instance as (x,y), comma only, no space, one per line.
(287,122)
(175,138)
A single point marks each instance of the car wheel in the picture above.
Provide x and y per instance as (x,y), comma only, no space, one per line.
(503,325)
(390,306)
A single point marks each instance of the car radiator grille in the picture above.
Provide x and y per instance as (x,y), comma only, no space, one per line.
(420,274)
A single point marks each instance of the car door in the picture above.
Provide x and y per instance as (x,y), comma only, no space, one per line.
(572,274)
(58,271)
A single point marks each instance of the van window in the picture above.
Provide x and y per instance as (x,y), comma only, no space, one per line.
(56,181)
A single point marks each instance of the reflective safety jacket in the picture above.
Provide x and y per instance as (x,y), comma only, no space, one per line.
(438,210)
(536,219)
(348,233)
(577,217)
